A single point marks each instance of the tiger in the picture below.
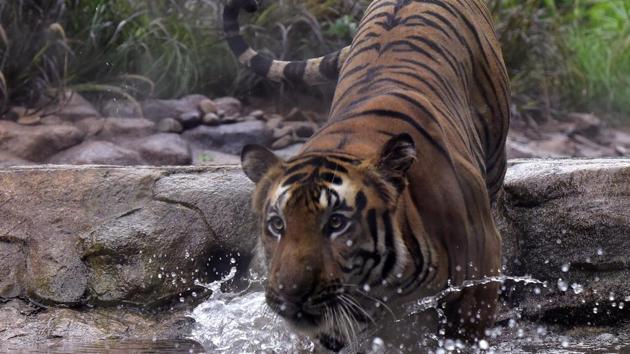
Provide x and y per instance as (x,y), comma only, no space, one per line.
(390,200)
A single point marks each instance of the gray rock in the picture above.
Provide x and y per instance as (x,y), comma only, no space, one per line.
(138,236)
(37,143)
(567,222)
(230,105)
(208,106)
(90,126)
(97,153)
(156,110)
(211,119)
(229,138)
(73,107)
(164,149)
(7,159)
(115,129)
(189,119)
(169,125)
(211,157)
(26,328)
(122,109)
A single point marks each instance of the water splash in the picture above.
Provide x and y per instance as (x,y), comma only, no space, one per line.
(232,323)
(432,302)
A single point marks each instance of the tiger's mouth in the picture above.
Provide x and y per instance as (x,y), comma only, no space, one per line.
(306,315)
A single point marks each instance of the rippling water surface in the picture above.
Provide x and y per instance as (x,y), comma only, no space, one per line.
(232,323)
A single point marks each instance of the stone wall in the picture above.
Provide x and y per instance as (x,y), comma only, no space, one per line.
(89,235)
(92,236)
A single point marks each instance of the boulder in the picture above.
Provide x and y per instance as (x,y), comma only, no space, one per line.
(122,109)
(230,105)
(27,328)
(72,107)
(189,119)
(8,159)
(169,125)
(164,149)
(97,153)
(115,235)
(230,138)
(567,222)
(208,106)
(156,110)
(115,129)
(37,143)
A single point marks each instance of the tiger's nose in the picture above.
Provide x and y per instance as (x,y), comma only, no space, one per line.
(296,285)
(296,293)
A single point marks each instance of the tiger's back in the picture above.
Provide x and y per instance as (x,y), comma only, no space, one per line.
(447,52)
(425,75)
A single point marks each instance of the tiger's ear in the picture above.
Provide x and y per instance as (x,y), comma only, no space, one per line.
(256,160)
(395,159)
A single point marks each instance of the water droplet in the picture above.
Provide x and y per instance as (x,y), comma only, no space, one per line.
(483,344)
(512,323)
(232,260)
(564,343)
(349,243)
(520,333)
(377,344)
(621,305)
(562,285)
(160,276)
(558,241)
(565,267)
(194,294)
(181,299)
(366,288)
(458,268)
(541,331)
(600,252)
(577,288)
(595,310)
(611,296)
(537,290)
(449,345)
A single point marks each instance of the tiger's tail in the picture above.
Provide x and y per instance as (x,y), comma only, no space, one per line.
(311,71)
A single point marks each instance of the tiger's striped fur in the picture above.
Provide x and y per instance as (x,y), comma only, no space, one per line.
(412,156)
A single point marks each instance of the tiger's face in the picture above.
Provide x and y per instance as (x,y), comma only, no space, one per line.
(329,233)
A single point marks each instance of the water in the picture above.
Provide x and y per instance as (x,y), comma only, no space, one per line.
(231,323)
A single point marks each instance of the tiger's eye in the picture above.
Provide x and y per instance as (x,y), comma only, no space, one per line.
(276,225)
(337,222)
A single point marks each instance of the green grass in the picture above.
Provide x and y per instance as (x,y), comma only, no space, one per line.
(562,55)
(33,52)
(598,53)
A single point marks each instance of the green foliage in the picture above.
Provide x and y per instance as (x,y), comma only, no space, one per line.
(567,55)
(598,53)
(33,51)
(176,47)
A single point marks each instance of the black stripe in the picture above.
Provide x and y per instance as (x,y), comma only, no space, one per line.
(294,71)
(360,201)
(331,177)
(329,66)
(318,161)
(390,248)
(294,178)
(416,254)
(407,119)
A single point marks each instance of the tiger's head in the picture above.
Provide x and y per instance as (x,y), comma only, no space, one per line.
(329,233)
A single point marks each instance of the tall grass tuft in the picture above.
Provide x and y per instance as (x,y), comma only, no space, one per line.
(598,53)
(33,52)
